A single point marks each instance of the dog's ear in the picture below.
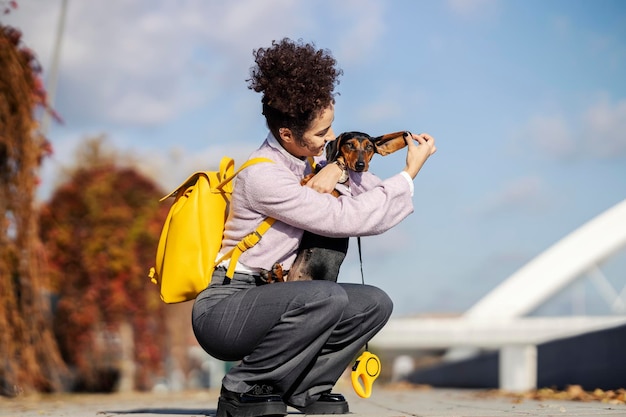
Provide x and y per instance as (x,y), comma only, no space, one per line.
(390,142)
(332,149)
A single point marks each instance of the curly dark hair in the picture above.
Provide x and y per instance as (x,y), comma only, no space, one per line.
(297,81)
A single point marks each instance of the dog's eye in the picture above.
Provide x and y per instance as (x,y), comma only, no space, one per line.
(369,147)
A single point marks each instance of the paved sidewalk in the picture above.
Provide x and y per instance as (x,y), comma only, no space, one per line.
(385,402)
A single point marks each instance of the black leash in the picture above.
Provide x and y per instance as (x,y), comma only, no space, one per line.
(358,240)
(367,366)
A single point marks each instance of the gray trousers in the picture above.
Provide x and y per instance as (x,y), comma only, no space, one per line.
(296,336)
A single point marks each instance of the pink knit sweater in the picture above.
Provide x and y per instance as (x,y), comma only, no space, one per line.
(274,190)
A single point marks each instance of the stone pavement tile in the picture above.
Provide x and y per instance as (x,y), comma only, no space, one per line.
(187,403)
(470,403)
(384,402)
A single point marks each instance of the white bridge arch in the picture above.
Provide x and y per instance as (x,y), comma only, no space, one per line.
(578,253)
(498,321)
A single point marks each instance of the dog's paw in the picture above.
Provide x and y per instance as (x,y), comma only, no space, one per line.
(306,179)
(277,272)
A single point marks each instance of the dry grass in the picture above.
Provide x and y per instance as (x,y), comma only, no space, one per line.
(571,393)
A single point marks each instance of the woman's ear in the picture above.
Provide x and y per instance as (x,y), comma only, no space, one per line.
(286,135)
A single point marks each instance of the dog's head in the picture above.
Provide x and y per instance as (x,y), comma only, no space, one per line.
(355,149)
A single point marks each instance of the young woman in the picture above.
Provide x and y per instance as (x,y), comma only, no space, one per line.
(293,340)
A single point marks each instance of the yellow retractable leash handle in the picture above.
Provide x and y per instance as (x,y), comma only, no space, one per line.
(367,367)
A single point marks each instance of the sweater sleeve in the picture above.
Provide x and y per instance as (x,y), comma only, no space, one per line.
(274,191)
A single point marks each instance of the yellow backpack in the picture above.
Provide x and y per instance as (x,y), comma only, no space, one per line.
(192,234)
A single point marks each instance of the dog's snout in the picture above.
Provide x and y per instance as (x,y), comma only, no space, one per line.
(359,166)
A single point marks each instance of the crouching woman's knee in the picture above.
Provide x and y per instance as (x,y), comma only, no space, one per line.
(337,298)
(383,304)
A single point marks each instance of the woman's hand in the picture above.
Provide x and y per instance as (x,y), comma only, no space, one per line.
(325,180)
(418,154)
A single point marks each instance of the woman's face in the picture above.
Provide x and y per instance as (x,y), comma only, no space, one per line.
(314,139)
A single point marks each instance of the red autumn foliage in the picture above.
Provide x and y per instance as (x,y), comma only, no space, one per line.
(30,358)
(100,231)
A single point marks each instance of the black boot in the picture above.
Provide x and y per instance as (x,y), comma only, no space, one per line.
(327,403)
(258,401)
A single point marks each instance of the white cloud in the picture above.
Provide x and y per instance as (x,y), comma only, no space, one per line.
(166,167)
(605,129)
(37,20)
(562,25)
(381,109)
(170,169)
(146,62)
(550,135)
(521,194)
(596,132)
(391,102)
(473,8)
(362,27)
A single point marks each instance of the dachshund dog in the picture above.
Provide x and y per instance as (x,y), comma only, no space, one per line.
(355,149)
(320,257)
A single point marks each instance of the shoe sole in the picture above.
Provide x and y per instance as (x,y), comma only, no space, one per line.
(334,408)
(225,409)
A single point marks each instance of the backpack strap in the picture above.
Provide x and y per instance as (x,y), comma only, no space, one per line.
(254,237)
(245,244)
(243,166)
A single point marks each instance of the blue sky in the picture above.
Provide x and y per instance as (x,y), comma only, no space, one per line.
(526,99)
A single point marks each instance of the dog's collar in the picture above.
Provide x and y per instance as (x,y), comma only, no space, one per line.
(344,172)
